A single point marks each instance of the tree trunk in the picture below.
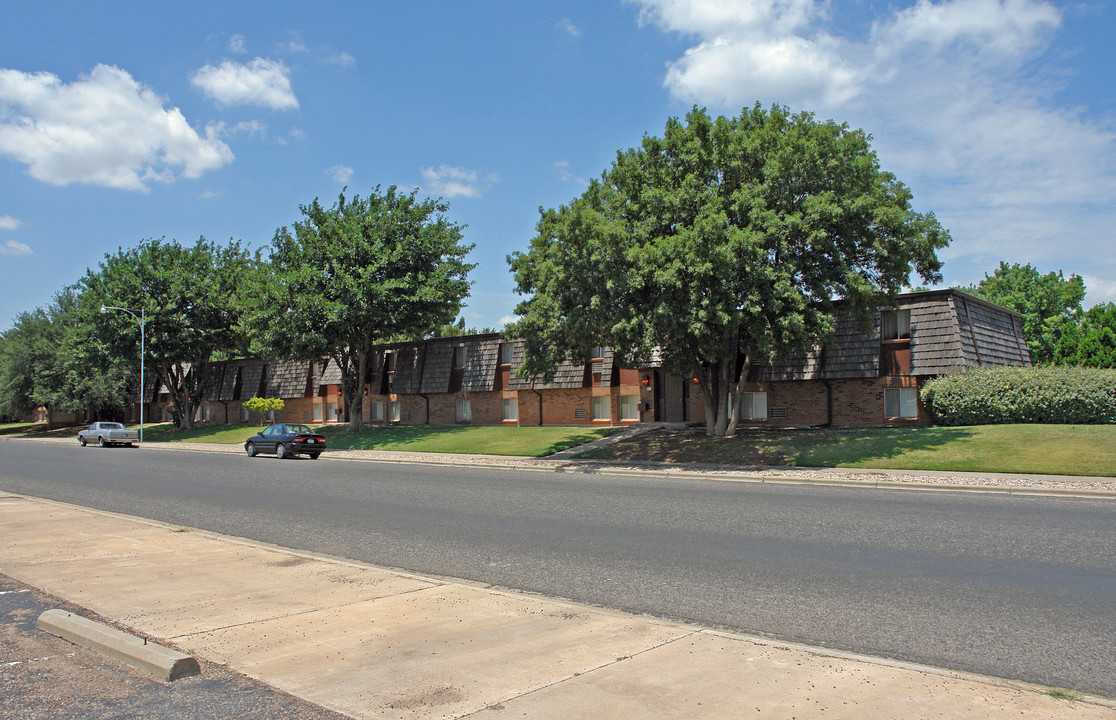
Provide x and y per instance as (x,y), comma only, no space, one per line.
(354,392)
(172,377)
(738,396)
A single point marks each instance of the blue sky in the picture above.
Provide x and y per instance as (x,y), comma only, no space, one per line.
(123,121)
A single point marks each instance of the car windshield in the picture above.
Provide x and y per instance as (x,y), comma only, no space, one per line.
(111,426)
(298,429)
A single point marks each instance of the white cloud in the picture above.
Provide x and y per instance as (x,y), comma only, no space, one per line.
(103,129)
(7,222)
(208,195)
(236,44)
(566,175)
(1098,290)
(506,320)
(958,95)
(1001,26)
(450,182)
(342,59)
(259,82)
(340,174)
(567,25)
(14,247)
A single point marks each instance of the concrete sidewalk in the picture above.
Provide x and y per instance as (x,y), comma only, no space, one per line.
(374,643)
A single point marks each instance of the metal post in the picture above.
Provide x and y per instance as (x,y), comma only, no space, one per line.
(142,317)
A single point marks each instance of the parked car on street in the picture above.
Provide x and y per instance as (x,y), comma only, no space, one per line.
(286,440)
(108,433)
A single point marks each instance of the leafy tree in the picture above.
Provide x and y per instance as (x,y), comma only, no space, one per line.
(48,359)
(723,243)
(28,364)
(1090,339)
(260,407)
(193,300)
(362,270)
(1045,302)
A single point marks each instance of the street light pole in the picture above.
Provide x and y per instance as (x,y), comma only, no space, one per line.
(142,317)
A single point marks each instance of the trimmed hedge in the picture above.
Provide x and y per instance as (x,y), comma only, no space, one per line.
(995,396)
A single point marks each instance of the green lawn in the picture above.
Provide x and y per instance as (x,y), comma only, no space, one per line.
(481,440)
(17,428)
(498,440)
(1046,449)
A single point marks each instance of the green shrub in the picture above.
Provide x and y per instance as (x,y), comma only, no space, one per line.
(994,396)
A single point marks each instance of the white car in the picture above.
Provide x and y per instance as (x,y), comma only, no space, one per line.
(108,433)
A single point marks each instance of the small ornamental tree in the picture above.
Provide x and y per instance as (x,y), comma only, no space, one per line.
(724,243)
(260,407)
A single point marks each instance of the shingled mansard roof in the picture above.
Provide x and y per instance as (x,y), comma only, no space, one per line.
(951,331)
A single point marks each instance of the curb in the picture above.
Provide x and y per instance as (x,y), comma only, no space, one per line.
(159,662)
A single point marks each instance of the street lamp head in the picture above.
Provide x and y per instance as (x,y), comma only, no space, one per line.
(102,308)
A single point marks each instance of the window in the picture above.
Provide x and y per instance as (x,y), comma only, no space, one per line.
(901,402)
(243,413)
(600,408)
(505,353)
(895,324)
(376,410)
(459,356)
(597,353)
(393,411)
(629,407)
(463,410)
(753,406)
(509,409)
(317,413)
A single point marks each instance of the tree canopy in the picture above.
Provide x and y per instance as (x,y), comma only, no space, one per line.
(362,270)
(723,243)
(192,297)
(51,358)
(1047,303)
(1090,339)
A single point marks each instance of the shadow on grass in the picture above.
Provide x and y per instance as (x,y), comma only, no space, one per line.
(815,447)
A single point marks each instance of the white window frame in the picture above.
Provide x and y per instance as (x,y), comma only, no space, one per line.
(753,406)
(600,408)
(629,407)
(904,400)
(505,353)
(393,411)
(463,410)
(376,410)
(509,409)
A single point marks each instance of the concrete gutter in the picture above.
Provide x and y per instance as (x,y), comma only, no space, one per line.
(157,661)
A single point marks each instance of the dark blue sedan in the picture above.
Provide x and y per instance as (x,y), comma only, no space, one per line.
(286,440)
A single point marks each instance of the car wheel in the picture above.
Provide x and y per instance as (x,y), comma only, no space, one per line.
(250,449)
(81,441)
(281,451)
(314,456)
(101,441)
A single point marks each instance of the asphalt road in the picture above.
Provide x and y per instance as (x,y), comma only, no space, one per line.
(1021,587)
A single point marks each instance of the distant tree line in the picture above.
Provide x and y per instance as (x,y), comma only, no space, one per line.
(362,271)
(1057,330)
